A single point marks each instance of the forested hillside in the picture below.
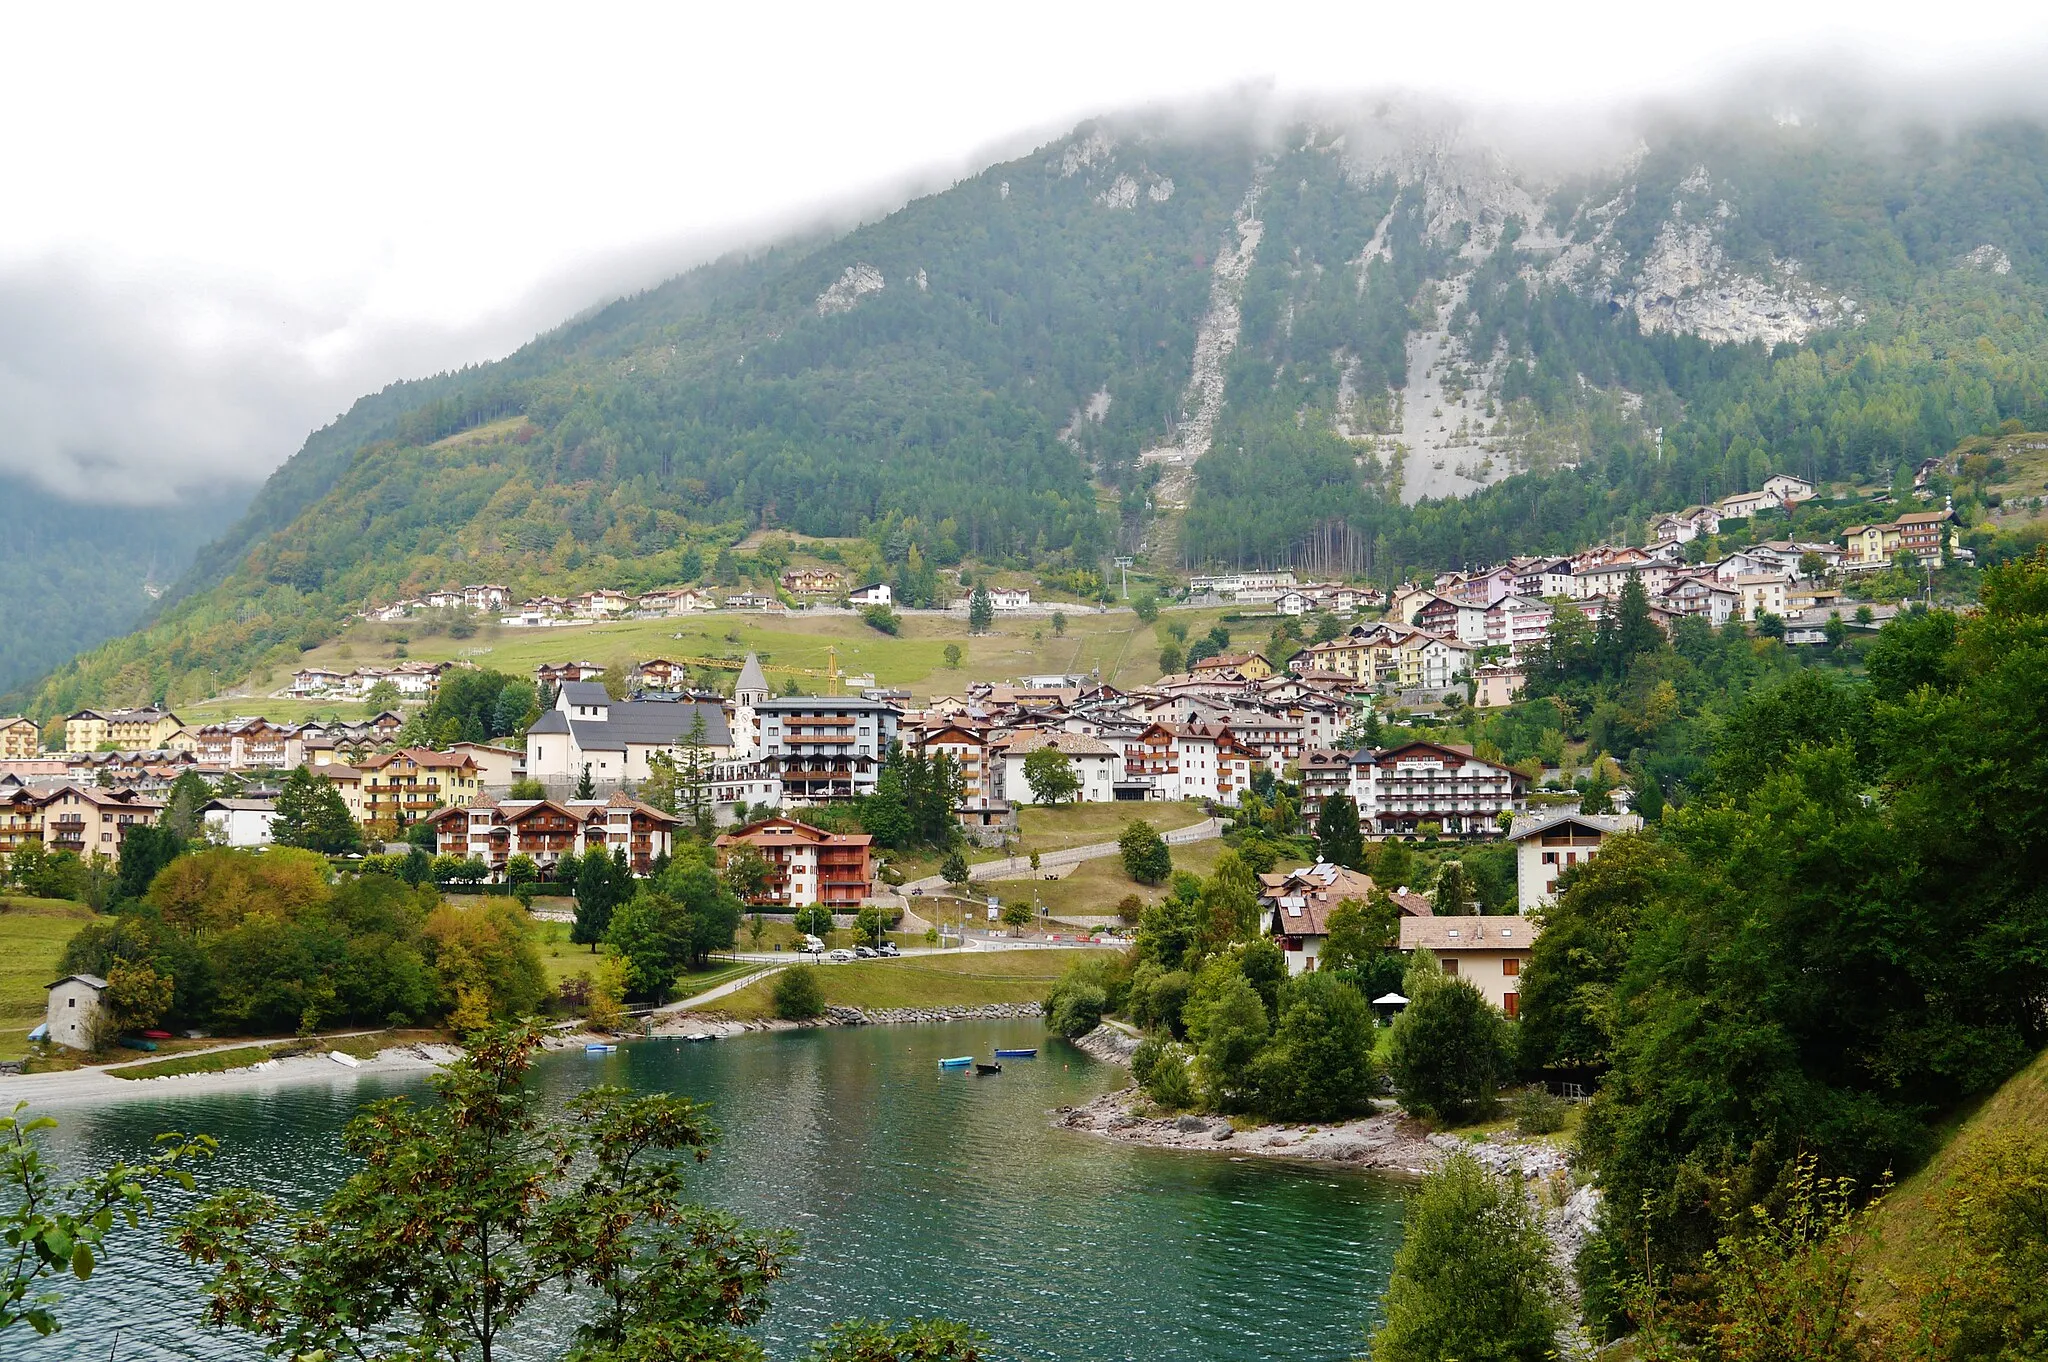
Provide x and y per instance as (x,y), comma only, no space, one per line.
(72,575)
(1202,347)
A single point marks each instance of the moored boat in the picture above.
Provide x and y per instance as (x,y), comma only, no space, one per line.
(988,1068)
(958,1062)
(1017,1054)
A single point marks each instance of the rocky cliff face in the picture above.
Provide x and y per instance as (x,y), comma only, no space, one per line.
(1449,432)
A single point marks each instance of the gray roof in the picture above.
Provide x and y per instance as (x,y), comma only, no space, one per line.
(91,980)
(585,693)
(648,722)
(1529,824)
(804,704)
(751,676)
(240,805)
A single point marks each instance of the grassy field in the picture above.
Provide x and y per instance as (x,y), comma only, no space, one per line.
(33,934)
(1094,888)
(791,648)
(564,959)
(1908,1222)
(970,979)
(1076,825)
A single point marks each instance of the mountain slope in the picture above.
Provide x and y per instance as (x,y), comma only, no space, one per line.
(1257,349)
(72,575)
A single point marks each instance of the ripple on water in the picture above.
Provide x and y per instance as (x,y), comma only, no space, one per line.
(915,1192)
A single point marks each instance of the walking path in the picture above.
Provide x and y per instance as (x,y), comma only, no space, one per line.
(1010,868)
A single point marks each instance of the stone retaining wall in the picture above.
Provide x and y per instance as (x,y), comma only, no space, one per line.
(856,1016)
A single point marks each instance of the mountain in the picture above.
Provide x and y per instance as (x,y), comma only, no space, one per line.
(1358,340)
(73,574)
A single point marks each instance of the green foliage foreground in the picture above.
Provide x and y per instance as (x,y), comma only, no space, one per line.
(467,1209)
(1843,937)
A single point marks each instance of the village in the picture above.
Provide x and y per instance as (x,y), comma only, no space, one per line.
(575,778)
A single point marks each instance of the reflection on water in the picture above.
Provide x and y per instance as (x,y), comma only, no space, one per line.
(915,1191)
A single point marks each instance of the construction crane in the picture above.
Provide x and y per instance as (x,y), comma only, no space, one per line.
(732,664)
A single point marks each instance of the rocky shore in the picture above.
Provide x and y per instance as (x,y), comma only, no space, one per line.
(1379,1141)
(712,1023)
(1385,1140)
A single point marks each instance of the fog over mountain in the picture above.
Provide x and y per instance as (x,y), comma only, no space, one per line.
(183,297)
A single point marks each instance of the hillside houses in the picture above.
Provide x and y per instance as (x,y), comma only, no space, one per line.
(412,680)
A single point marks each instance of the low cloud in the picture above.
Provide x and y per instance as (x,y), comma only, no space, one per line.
(146,388)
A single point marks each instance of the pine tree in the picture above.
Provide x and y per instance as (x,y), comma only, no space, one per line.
(1635,632)
(294,814)
(695,777)
(332,830)
(585,789)
(981,611)
(596,896)
(1338,838)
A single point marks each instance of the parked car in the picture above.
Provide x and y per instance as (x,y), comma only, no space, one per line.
(867,952)
(889,948)
(839,957)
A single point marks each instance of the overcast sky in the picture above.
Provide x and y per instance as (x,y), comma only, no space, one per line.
(218,226)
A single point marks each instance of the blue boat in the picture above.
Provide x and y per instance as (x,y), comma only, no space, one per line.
(960,1063)
(1017,1054)
(598,1048)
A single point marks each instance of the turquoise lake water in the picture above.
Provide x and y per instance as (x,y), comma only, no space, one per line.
(915,1191)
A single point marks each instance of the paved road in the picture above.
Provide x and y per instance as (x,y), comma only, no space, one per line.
(1014,867)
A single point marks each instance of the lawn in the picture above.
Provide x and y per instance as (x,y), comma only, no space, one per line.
(969,979)
(33,934)
(564,959)
(791,648)
(1079,825)
(1094,888)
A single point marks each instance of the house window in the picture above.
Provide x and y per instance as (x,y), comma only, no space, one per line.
(1550,858)
(1510,1003)
(1511,967)
(1450,968)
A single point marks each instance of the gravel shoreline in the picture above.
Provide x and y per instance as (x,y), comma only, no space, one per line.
(1384,1140)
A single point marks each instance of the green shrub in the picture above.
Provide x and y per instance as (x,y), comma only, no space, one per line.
(1170,1082)
(1473,1277)
(1537,1111)
(1075,1007)
(798,995)
(1146,1058)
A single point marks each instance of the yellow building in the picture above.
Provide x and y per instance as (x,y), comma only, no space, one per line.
(1869,547)
(411,783)
(19,738)
(134,730)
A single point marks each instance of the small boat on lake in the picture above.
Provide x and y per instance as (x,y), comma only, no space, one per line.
(598,1048)
(959,1062)
(699,1037)
(988,1068)
(1017,1054)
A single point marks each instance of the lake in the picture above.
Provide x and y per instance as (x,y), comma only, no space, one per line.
(915,1191)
